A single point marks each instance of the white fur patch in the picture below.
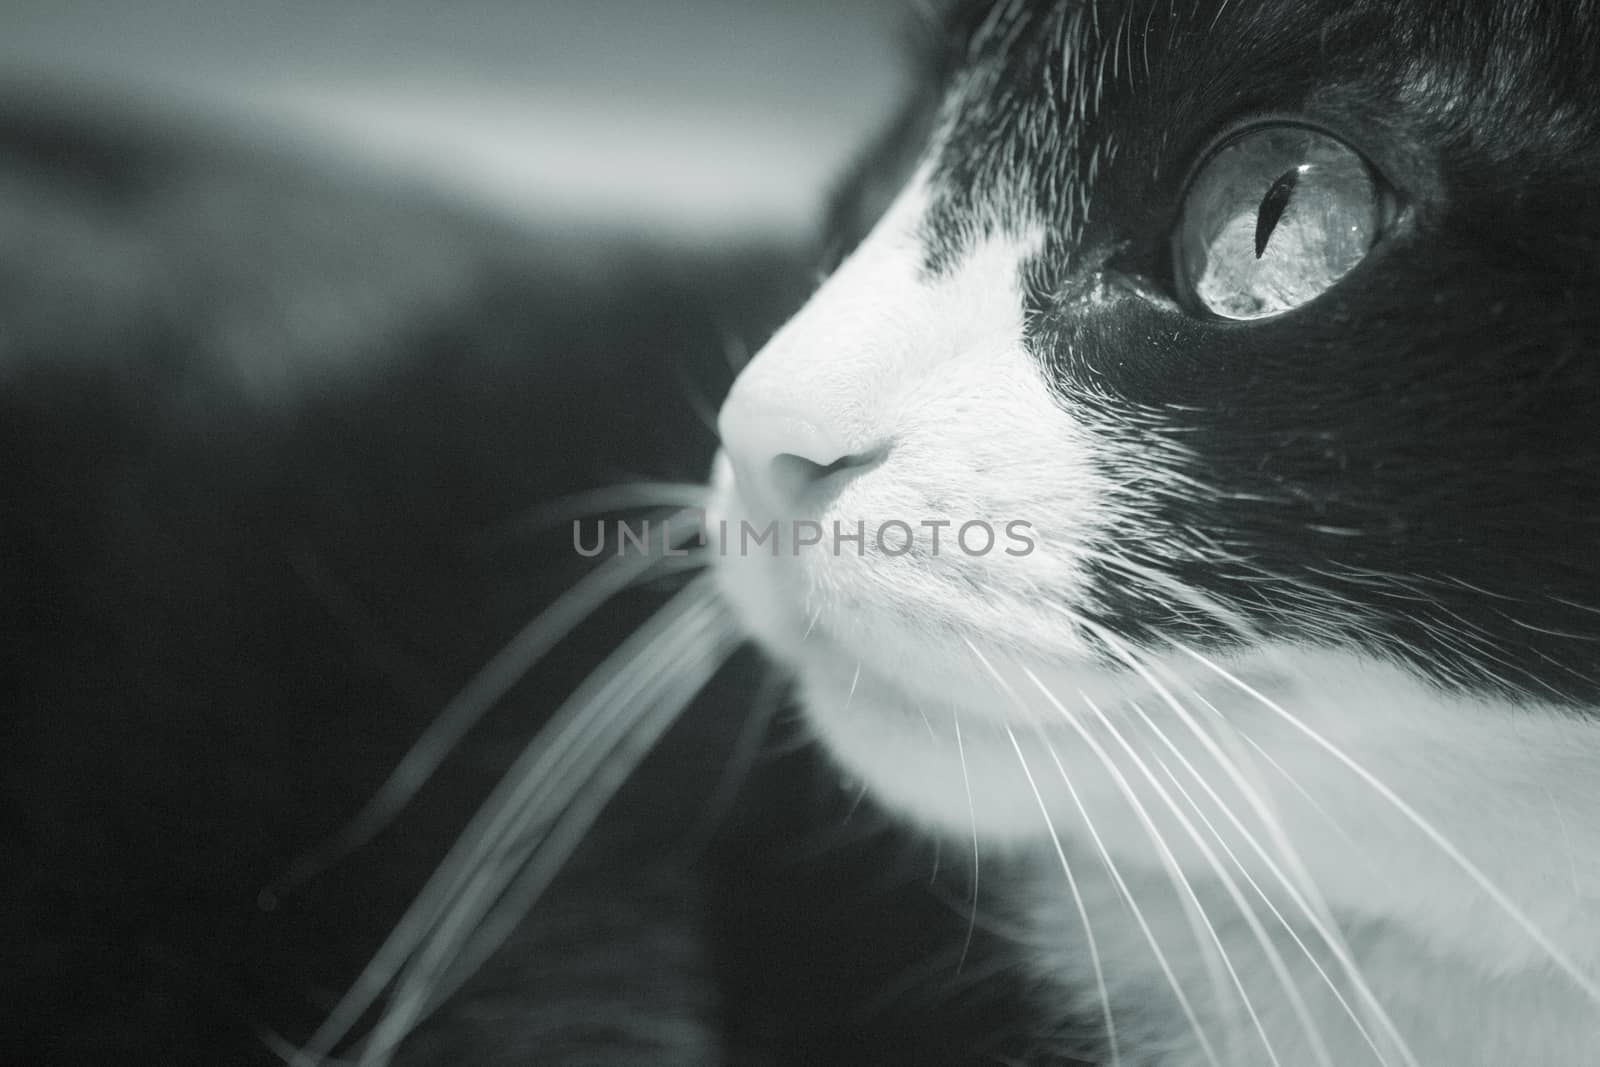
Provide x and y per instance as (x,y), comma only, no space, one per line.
(1305,777)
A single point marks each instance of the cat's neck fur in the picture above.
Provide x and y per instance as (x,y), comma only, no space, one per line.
(1448,1008)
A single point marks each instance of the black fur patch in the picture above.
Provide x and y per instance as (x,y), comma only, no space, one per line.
(1408,464)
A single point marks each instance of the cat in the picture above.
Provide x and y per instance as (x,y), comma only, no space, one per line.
(1270,325)
(272,424)
(1293,706)
(1271,744)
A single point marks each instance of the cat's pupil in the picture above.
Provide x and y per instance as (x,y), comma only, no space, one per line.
(1273,206)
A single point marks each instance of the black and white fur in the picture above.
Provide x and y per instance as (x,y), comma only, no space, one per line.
(1295,704)
(1313,605)
(271,428)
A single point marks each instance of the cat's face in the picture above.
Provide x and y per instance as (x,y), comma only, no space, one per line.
(1261,339)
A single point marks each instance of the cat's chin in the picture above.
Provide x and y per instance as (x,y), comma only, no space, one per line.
(910,712)
(931,715)
(947,766)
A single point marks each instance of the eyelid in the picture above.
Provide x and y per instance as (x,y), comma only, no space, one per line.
(1143,287)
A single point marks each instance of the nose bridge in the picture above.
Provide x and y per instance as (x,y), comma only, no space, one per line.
(828,371)
(832,364)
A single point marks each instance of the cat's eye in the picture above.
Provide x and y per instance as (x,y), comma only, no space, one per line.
(1272,219)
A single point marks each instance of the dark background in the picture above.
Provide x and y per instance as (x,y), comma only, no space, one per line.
(300,305)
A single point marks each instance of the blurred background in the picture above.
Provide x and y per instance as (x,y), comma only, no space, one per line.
(692,119)
(303,303)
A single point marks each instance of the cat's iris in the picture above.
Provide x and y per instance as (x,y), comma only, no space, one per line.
(1272,219)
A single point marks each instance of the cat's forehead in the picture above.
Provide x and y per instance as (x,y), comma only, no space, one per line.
(1020,61)
(1046,104)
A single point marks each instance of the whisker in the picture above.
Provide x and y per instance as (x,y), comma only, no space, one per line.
(288,1052)
(1205,933)
(1308,896)
(861,794)
(545,755)
(586,503)
(1440,841)
(1077,899)
(1320,918)
(1325,925)
(1312,802)
(508,667)
(622,704)
(972,814)
(1288,927)
(1275,960)
(1162,962)
(1208,606)
(540,860)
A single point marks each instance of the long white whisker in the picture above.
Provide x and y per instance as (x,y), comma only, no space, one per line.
(536,862)
(928,725)
(522,826)
(1206,605)
(1325,925)
(532,770)
(1312,802)
(1246,911)
(1206,934)
(624,496)
(1077,900)
(577,821)
(972,815)
(1309,899)
(509,666)
(1444,844)
(1162,962)
(1288,927)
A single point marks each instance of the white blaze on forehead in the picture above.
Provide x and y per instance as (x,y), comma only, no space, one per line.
(880,321)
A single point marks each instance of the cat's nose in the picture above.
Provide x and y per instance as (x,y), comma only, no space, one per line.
(782,456)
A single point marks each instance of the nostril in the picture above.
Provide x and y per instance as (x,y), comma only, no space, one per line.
(783,457)
(793,476)
(788,468)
